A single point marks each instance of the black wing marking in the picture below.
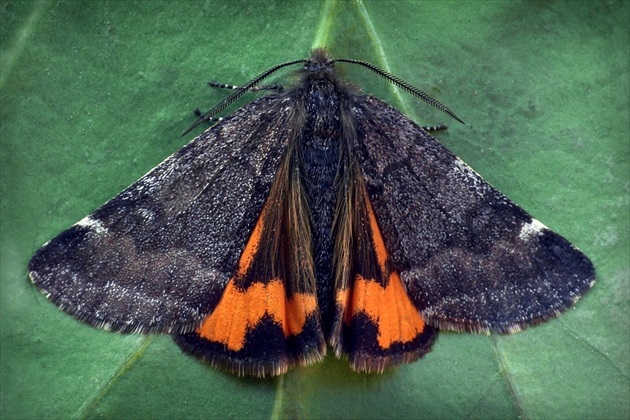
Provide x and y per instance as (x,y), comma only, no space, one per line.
(157,256)
(470,258)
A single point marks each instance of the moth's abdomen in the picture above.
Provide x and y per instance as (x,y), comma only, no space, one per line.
(319,152)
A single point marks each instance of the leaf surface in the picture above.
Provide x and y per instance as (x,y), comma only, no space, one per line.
(94,94)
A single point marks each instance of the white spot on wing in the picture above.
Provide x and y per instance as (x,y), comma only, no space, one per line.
(463,167)
(473,178)
(147,214)
(95,225)
(530,229)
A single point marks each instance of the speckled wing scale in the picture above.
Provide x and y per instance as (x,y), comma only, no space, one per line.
(311,216)
(471,259)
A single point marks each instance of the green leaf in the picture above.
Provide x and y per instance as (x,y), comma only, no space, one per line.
(94,94)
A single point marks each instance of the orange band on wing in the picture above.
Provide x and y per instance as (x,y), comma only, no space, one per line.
(251,248)
(389,307)
(377,238)
(241,310)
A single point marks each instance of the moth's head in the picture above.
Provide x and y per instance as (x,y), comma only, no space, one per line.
(319,62)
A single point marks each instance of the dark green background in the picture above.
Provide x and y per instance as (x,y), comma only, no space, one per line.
(94,94)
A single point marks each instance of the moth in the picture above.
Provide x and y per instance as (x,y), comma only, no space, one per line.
(314,216)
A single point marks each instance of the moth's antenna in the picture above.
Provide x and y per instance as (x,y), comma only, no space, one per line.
(237,94)
(406,86)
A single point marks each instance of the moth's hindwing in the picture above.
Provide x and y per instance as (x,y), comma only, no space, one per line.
(469,257)
(377,325)
(268,318)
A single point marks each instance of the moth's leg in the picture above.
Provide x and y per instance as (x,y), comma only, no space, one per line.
(277,88)
(434,127)
(198,113)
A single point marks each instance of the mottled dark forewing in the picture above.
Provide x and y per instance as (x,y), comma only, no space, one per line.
(470,258)
(157,256)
